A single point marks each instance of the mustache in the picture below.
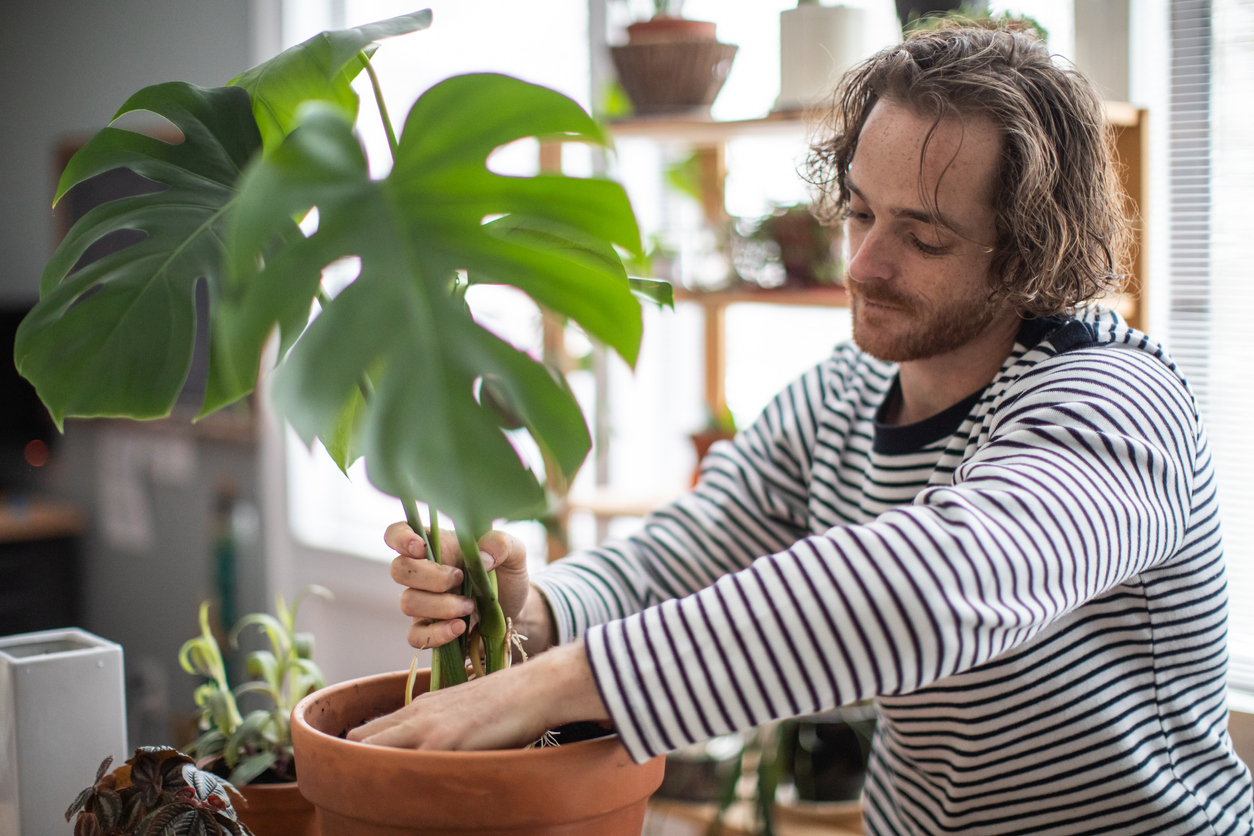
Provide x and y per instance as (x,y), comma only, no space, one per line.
(879,295)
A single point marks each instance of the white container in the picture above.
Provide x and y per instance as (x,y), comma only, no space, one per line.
(816,45)
(62,711)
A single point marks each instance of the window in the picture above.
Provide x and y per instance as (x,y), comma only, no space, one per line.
(1211,282)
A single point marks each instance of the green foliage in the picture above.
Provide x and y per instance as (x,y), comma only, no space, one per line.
(248,745)
(320,69)
(115,338)
(158,792)
(975,14)
(394,366)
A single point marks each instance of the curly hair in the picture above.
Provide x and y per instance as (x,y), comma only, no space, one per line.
(1062,234)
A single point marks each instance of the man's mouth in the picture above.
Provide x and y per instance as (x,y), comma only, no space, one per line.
(884,304)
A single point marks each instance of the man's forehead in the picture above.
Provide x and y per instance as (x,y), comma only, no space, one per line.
(914,162)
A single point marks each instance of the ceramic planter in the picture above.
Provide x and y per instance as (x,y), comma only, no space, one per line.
(579,788)
(277,810)
(816,45)
(826,754)
(62,711)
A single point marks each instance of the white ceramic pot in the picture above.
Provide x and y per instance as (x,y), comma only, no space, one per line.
(62,711)
(816,45)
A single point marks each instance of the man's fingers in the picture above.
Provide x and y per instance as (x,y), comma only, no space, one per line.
(418,603)
(423,574)
(425,634)
(375,726)
(507,552)
(401,538)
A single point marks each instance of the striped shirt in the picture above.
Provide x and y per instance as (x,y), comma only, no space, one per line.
(1030,585)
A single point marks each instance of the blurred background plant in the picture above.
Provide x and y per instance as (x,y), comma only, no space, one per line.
(255,747)
(976,14)
(788,247)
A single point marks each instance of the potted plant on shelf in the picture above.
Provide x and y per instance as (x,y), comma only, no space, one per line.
(671,64)
(393,367)
(254,750)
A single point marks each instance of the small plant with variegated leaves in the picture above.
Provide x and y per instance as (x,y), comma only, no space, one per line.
(158,792)
(258,744)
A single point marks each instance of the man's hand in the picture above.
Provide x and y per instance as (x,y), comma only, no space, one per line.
(504,710)
(433,598)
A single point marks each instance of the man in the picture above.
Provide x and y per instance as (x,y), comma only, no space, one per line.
(996,518)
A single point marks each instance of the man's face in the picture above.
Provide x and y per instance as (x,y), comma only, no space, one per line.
(919,289)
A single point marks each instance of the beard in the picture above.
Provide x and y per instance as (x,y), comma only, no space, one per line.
(915,329)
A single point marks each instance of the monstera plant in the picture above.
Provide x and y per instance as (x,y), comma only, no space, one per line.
(393,367)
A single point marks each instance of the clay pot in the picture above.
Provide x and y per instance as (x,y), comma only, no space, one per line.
(579,788)
(663,29)
(277,810)
(702,442)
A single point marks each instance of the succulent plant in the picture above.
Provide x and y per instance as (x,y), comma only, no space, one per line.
(246,746)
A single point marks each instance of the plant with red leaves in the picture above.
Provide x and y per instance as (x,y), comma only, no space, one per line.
(158,792)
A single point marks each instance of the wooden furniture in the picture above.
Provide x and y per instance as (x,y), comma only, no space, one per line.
(39,565)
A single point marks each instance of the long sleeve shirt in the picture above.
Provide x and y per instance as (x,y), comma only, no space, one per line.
(1030,585)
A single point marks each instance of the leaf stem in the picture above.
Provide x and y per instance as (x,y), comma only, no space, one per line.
(492,625)
(383,108)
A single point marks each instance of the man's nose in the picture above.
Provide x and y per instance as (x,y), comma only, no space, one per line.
(871,257)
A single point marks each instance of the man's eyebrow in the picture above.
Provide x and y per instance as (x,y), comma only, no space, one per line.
(904,211)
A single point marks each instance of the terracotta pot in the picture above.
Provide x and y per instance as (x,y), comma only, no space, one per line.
(663,29)
(702,442)
(580,788)
(277,810)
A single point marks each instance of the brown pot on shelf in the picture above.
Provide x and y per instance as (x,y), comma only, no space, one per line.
(277,810)
(672,65)
(701,443)
(667,29)
(578,788)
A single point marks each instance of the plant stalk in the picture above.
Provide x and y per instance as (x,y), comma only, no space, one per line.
(383,108)
(492,625)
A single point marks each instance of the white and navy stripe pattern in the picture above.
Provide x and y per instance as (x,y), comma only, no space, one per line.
(1031,585)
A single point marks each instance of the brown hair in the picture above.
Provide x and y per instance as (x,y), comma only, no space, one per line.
(1062,237)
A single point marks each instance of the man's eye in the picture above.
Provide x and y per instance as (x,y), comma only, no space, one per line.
(927,249)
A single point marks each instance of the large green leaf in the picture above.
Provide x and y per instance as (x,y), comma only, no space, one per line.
(319,69)
(399,329)
(115,338)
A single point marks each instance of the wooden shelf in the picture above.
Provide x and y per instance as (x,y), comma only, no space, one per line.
(39,519)
(834,296)
(607,504)
(698,131)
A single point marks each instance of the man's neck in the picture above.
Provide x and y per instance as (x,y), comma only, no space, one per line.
(934,384)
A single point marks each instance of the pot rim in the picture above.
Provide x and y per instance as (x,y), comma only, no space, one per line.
(390,752)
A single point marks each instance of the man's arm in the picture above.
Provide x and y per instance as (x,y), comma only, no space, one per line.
(1085,481)
(751,500)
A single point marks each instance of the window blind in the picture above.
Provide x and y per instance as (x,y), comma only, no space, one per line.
(1211,274)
